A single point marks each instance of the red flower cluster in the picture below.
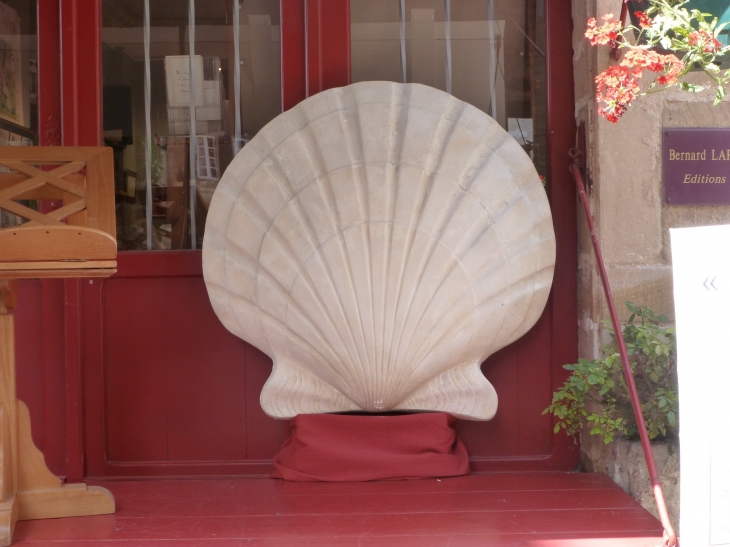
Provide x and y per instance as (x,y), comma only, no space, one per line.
(644,19)
(668,67)
(606,33)
(642,58)
(672,70)
(617,86)
(704,40)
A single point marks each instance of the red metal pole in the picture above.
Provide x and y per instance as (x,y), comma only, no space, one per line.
(670,538)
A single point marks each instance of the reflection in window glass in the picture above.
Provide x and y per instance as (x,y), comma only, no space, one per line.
(18,85)
(235,91)
(489,53)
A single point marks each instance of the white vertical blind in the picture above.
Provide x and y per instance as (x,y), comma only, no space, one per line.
(492,61)
(402,15)
(447,29)
(236,76)
(193,150)
(148,123)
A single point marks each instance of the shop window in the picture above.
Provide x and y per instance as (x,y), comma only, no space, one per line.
(489,53)
(176,115)
(18,84)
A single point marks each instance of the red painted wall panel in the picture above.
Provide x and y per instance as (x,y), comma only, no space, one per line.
(29,354)
(293,53)
(81,72)
(518,437)
(49,73)
(40,375)
(50,312)
(81,125)
(561,137)
(54,394)
(188,385)
(169,391)
(328,44)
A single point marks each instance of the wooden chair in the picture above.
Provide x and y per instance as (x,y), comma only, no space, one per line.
(76,240)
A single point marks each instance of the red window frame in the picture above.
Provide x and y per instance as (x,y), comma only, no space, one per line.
(316,56)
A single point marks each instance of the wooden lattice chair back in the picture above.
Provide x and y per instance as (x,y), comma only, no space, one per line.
(77,238)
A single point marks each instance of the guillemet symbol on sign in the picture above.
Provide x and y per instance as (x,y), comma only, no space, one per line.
(710,283)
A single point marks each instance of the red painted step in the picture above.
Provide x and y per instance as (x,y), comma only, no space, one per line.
(501,509)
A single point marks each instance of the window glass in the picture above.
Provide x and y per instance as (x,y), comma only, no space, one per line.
(18,85)
(489,53)
(166,174)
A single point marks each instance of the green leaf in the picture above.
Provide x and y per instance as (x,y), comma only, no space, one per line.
(720,94)
(556,428)
(653,358)
(692,88)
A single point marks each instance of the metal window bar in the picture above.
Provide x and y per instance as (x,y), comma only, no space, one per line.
(402,22)
(447,28)
(192,144)
(492,60)
(148,123)
(237,5)
(670,537)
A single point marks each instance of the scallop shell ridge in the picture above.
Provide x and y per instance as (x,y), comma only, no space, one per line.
(378,242)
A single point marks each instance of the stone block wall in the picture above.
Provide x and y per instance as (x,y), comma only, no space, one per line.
(624,163)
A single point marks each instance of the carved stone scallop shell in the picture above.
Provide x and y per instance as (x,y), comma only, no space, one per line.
(378,242)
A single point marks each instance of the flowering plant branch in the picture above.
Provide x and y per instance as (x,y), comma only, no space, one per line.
(666,26)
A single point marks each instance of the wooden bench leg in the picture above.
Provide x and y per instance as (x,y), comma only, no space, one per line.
(28,489)
(8,518)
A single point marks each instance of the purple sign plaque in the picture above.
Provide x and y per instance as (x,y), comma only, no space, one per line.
(696,166)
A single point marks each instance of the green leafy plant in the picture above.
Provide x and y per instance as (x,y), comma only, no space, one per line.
(670,40)
(157,161)
(653,356)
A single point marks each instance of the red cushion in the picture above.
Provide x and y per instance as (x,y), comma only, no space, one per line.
(338,447)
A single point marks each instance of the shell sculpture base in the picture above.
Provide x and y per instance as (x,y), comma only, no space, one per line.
(378,242)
